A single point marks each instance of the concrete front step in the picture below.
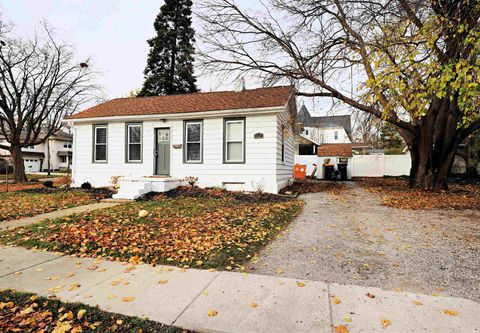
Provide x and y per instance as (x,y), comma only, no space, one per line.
(133,188)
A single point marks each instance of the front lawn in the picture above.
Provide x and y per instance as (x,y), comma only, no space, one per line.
(196,228)
(22,312)
(16,205)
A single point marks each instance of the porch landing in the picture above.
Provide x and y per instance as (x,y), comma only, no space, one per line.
(134,187)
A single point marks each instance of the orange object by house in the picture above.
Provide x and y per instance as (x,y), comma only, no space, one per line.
(300,171)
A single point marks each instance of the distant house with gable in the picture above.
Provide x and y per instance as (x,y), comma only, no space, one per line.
(315,131)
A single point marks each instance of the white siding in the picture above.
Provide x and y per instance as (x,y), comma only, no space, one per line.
(258,171)
(285,167)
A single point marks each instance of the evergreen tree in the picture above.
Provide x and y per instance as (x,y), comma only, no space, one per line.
(391,141)
(170,61)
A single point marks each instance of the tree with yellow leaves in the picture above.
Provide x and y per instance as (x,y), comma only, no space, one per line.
(415,62)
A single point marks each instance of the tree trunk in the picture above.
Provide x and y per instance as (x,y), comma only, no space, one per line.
(18,164)
(430,165)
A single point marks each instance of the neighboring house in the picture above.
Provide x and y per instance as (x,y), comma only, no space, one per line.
(238,140)
(316,131)
(58,147)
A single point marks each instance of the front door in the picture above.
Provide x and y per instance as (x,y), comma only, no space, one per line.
(162,151)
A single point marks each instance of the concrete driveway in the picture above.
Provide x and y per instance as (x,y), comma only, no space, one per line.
(352,239)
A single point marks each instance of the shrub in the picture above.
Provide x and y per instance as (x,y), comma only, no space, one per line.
(48,183)
(86,186)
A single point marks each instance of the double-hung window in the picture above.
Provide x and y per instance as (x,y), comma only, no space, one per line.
(100,143)
(193,135)
(234,140)
(134,143)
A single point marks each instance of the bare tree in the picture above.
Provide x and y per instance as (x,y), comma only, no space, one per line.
(416,63)
(367,128)
(40,84)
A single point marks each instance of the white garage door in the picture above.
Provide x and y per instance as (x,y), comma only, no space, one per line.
(32,164)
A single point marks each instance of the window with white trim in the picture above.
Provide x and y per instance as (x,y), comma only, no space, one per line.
(234,145)
(193,141)
(134,143)
(100,143)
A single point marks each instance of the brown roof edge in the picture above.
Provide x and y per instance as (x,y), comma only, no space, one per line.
(187,103)
(335,149)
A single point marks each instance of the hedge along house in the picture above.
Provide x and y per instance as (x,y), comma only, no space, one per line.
(237,140)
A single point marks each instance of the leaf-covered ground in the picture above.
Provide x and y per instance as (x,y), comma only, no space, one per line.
(395,193)
(207,229)
(16,205)
(19,186)
(22,312)
(315,186)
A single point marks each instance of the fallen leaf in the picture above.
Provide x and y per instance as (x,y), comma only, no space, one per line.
(253,305)
(81,313)
(336,300)
(128,299)
(162,281)
(417,302)
(450,312)
(301,284)
(212,313)
(69,275)
(279,271)
(341,329)
(370,295)
(347,319)
(385,322)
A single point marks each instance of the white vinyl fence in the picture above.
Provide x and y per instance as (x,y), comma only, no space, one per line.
(381,165)
(366,165)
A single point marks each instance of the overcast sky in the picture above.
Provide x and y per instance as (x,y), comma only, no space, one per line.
(112,33)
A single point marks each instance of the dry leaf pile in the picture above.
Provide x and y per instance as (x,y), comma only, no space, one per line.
(16,205)
(26,313)
(190,231)
(395,193)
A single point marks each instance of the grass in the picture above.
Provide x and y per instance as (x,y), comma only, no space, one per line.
(201,229)
(19,204)
(25,312)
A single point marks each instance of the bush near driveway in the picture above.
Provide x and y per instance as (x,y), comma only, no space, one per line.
(16,205)
(395,193)
(24,312)
(207,229)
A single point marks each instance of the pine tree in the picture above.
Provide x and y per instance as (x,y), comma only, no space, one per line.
(391,141)
(169,67)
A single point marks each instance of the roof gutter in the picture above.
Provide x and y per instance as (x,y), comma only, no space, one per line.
(180,115)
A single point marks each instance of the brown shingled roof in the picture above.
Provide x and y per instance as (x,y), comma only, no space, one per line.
(198,102)
(335,150)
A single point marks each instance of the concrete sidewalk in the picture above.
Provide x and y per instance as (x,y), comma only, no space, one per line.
(241,302)
(55,214)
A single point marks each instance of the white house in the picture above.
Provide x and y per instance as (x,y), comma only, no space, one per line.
(238,140)
(316,131)
(57,149)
